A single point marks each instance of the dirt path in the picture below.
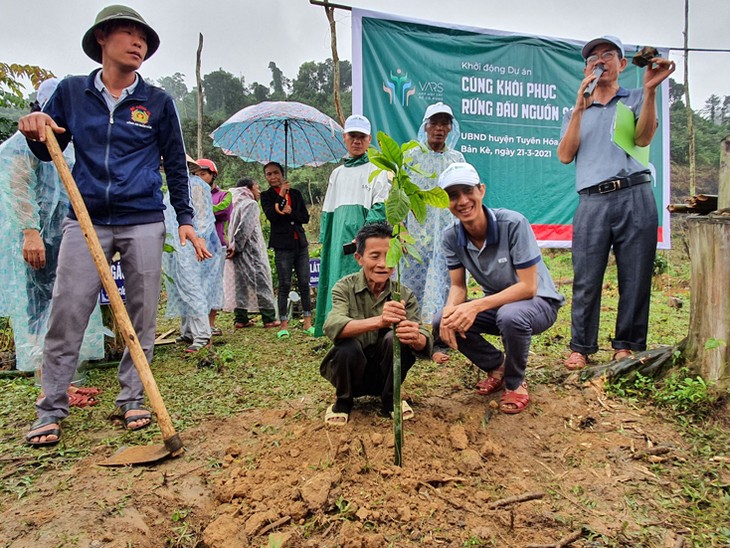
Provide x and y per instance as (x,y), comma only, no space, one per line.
(595,468)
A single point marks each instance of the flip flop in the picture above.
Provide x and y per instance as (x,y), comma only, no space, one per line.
(120,413)
(406,411)
(243,325)
(269,325)
(50,431)
(310,331)
(335,419)
(283,334)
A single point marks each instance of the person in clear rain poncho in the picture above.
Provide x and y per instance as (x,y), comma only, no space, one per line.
(247,279)
(33,204)
(429,280)
(193,286)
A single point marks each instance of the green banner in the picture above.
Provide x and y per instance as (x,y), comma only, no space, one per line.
(508,92)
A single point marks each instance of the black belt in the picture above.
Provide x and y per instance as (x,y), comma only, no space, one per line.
(611,185)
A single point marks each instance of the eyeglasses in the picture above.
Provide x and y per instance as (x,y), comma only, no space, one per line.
(605,56)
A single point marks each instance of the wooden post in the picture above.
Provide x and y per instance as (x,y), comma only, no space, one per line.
(708,341)
(199,83)
(330,11)
(723,192)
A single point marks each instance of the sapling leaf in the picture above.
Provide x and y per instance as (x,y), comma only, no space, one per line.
(418,207)
(397,206)
(417,169)
(435,197)
(374,173)
(395,253)
(409,187)
(383,162)
(406,237)
(390,149)
(413,252)
(405,147)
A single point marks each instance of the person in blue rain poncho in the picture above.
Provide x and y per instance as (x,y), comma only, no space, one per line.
(193,287)
(33,203)
(429,280)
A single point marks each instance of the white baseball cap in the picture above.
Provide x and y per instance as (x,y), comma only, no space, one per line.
(357,124)
(437,108)
(459,173)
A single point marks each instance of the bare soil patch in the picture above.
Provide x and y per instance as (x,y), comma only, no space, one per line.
(598,471)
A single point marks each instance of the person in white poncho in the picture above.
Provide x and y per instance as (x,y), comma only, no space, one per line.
(352,200)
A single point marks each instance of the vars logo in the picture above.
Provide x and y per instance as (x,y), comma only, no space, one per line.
(399,87)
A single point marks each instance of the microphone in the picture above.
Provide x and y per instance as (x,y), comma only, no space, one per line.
(598,70)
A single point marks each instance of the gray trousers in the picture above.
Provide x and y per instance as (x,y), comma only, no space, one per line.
(195,328)
(74,297)
(516,323)
(627,220)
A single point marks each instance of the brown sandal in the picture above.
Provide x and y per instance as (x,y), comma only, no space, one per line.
(576,361)
(490,385)
(622,354)
(512,402)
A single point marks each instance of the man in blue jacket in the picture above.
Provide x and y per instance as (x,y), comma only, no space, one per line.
(120,126)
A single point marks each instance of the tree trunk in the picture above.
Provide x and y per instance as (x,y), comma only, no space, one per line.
(330,11)
(708,342)
(690,127)
(199,83)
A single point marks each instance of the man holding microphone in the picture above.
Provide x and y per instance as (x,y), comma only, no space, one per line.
(616,205)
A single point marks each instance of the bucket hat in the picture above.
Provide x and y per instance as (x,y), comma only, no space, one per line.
(113,13)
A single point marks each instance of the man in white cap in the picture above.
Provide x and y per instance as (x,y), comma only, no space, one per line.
(351,201)
(121,128)
(429,280)
(498,249)
(616,204)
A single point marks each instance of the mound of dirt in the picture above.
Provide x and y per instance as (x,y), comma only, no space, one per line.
(574,465)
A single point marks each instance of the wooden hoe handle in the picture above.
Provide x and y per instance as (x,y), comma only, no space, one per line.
(170,437)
